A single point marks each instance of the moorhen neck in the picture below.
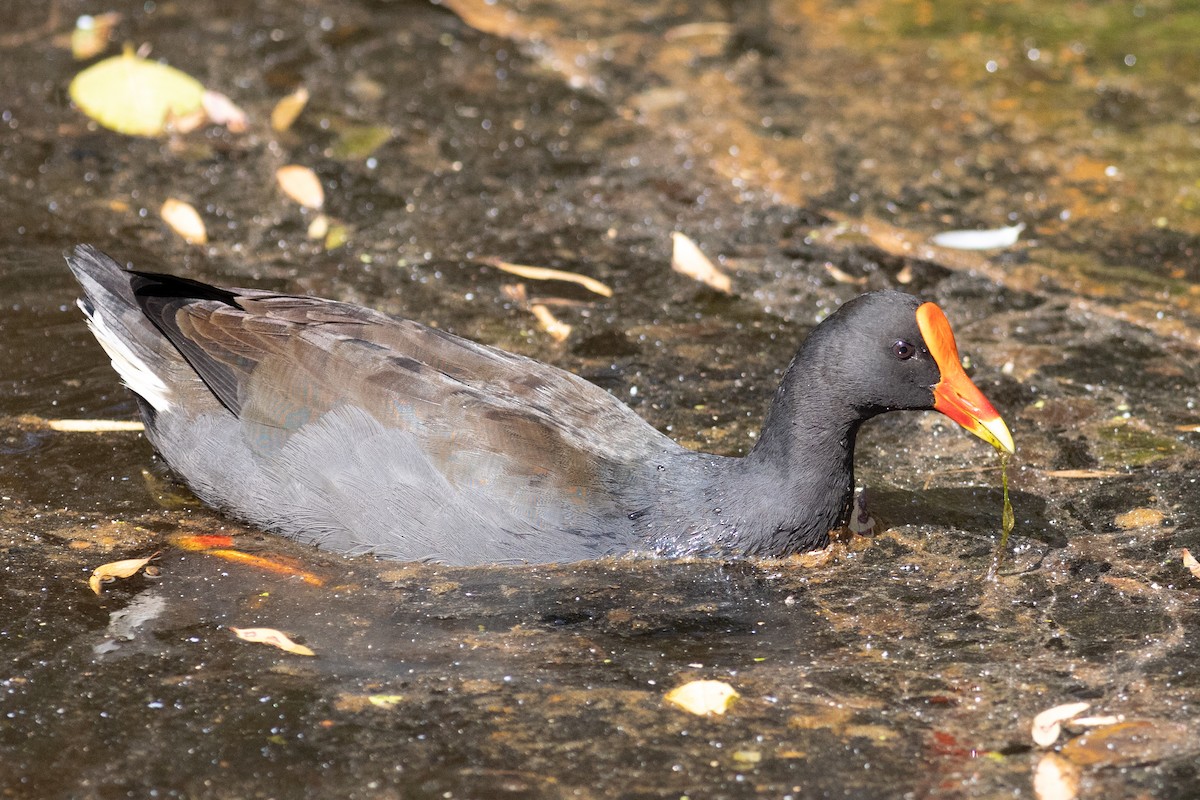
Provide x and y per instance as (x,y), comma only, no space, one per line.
(340,426)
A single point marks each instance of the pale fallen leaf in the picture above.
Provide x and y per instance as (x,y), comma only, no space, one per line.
(1082,474)
(288,109)
(94,425)
(687,259)
(107,573)
(223,111)
(272,637)
(385,700)
(1095,722)
(319,227)
(1191,563)
(183,218)
(1048,724)
(703,697)
(861,522)
(1055,778)
(91,34)
(842,276)
(558,330)
(979,240)
(134,96)
(547,274)
(516,293)
(301,184)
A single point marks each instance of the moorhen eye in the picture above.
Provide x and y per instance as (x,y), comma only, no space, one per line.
(903,350)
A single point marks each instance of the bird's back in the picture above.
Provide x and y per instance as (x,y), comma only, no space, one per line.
(338,425)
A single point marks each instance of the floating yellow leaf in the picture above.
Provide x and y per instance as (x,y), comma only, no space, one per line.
(107,573)
(301,184)
(338,235)
(385,700)
(183,218)
(547,274)
(131,95)
(703,697)
(558,330)
(1048,724)
(272,637)
(359,141)
(288,109)
(687,259)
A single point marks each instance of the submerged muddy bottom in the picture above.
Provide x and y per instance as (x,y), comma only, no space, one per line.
(886,667)
(890,666)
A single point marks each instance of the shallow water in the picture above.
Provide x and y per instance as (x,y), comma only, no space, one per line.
(813,149)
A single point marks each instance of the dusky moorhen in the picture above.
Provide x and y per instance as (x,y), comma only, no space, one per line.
(338,425)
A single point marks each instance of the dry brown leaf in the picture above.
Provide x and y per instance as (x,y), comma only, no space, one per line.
(547,274)
(94,425)
(1139,518)
(1135,741)
(813,558)
(687,259)
(1055,778)
(288,109)
(1191,563)
(107,573)
(1048,724)
(272,637)
(183,218)
(558,330)
(703,697)
(91,34)
(301,184)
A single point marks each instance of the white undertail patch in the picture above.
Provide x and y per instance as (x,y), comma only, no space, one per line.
(133,370)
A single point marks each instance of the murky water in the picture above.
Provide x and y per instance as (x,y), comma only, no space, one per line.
(813,148)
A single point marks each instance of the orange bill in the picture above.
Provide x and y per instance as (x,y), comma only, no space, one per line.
(955,395)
